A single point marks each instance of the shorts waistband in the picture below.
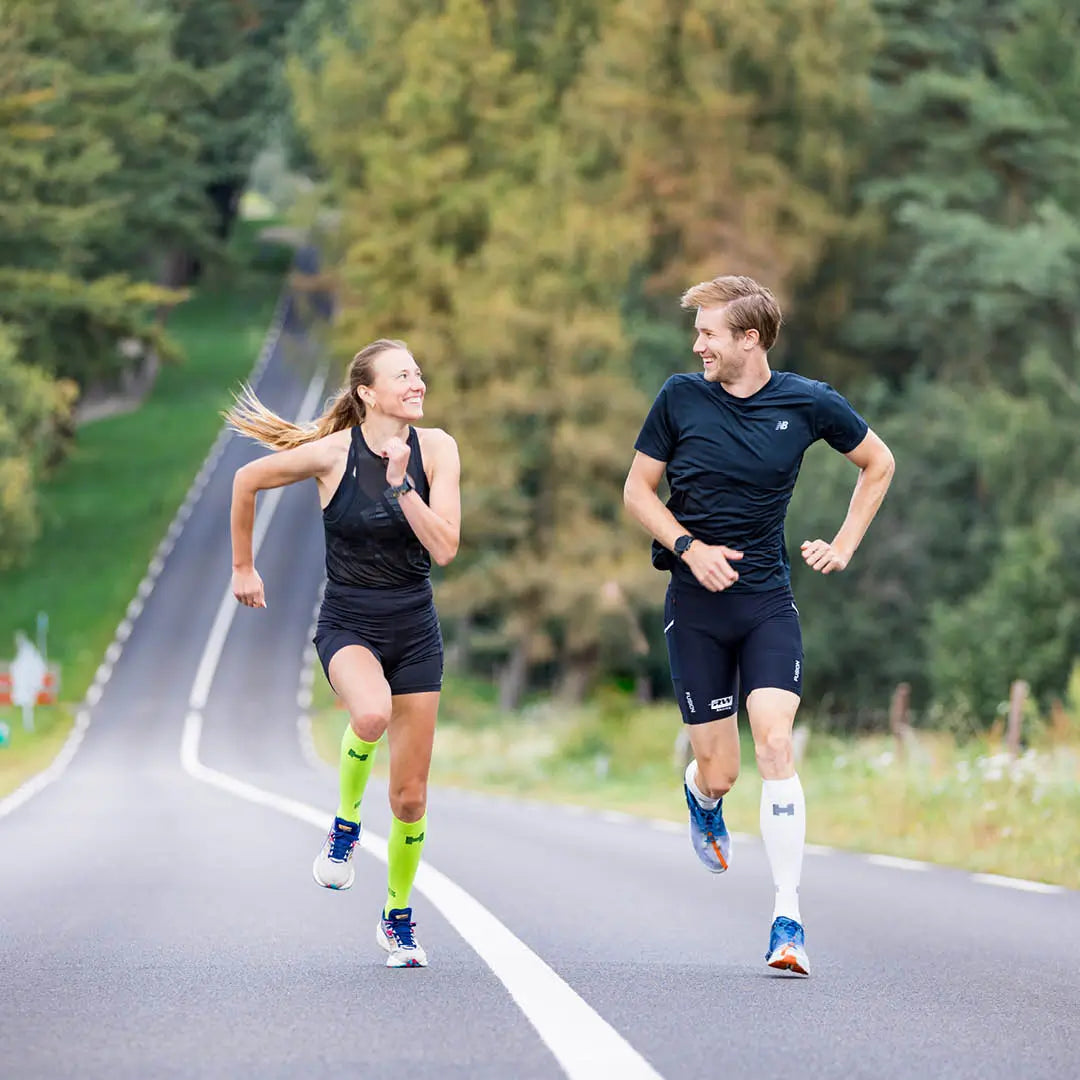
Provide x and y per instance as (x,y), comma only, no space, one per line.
(398,598)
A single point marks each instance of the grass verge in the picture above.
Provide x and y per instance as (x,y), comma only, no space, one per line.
(106,507)
(966,805)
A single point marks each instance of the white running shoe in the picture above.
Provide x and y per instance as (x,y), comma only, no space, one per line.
(333,868)
(395,934)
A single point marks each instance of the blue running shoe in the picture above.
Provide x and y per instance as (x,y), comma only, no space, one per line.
(395,934)
(333,867)
(708,834)
(787,947)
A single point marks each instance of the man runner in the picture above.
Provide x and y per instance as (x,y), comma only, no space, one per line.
(731,440)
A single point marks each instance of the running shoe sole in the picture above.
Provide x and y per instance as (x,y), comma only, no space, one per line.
(384,941)
(789,958)
(325,885)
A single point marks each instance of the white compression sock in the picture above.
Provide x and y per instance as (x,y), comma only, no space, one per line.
(783,832)
(691,782)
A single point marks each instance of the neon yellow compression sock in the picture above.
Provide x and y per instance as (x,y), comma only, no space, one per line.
(404,848)
(357,757)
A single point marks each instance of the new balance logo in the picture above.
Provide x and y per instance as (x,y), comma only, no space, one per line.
(789,809)
(781,425)
(359,757)
(721,703)
(419,839)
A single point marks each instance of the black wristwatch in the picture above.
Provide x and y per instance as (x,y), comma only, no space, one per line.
(403,488)
(682,544)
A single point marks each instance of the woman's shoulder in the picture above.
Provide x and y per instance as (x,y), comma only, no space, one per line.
(434,438)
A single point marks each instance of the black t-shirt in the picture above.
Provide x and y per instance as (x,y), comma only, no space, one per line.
(732,464)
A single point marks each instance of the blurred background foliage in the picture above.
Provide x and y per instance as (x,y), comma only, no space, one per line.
(522,189)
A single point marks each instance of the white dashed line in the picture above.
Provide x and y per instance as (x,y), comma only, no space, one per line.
(1018,883)
(145,587)
(897,863)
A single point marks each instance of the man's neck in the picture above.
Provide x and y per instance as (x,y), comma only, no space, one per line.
(753,377)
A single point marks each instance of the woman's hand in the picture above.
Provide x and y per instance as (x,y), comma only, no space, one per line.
(396,452)
(247,587)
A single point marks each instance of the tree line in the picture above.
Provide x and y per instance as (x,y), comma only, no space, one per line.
(524,189)
(127,132)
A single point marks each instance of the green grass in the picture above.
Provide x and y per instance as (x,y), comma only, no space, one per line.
(960,805)
(28,753)
(107,506)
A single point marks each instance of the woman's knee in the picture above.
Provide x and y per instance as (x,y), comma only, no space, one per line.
(369,724)
(408,801)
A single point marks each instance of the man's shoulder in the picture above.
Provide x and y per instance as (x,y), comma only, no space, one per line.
(798,389)
(685,380)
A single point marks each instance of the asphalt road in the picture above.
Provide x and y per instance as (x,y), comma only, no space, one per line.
(158,917)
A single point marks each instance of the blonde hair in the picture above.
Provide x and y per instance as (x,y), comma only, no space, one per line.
(250,417)
(750,306)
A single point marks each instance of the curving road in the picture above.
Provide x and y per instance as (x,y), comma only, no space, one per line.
(158,917)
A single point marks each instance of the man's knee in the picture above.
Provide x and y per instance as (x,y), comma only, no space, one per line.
(775,754)
(716,775)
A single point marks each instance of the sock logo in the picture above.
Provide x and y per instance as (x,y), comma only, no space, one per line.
(419,839)
(359,757)
(788,809)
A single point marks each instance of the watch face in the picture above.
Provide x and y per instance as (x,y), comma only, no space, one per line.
(682,544)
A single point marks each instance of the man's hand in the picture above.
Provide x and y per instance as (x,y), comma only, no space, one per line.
(247,587)
(823,557)
(397,453)
(709,564)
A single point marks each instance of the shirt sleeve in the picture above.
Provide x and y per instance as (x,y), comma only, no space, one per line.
(658,436)
(836,421)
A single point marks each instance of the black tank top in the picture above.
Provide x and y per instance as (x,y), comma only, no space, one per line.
(369,543)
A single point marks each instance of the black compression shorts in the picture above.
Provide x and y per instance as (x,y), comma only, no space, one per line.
(723,644)
(400,626)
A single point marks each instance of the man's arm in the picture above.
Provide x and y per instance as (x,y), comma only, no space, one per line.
(876,466)
(709,563)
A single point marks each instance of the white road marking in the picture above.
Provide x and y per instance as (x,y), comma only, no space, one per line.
(667,826)
(134,609)
(818,849)
(897,863)
(226,612)
(1017,883)
(585,1045)
(59,763)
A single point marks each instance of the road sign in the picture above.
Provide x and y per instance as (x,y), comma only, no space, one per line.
(27,679)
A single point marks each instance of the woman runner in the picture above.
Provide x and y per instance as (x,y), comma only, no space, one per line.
(390,501)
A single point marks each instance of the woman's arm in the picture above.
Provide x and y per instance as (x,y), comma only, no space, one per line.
(436,523)
(313,459)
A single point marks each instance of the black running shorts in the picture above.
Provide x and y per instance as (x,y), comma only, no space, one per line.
(400,626)
(723,644)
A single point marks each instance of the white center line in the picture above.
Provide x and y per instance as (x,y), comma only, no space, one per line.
(585,1045)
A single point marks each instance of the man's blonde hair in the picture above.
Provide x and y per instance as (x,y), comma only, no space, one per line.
(749,306)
